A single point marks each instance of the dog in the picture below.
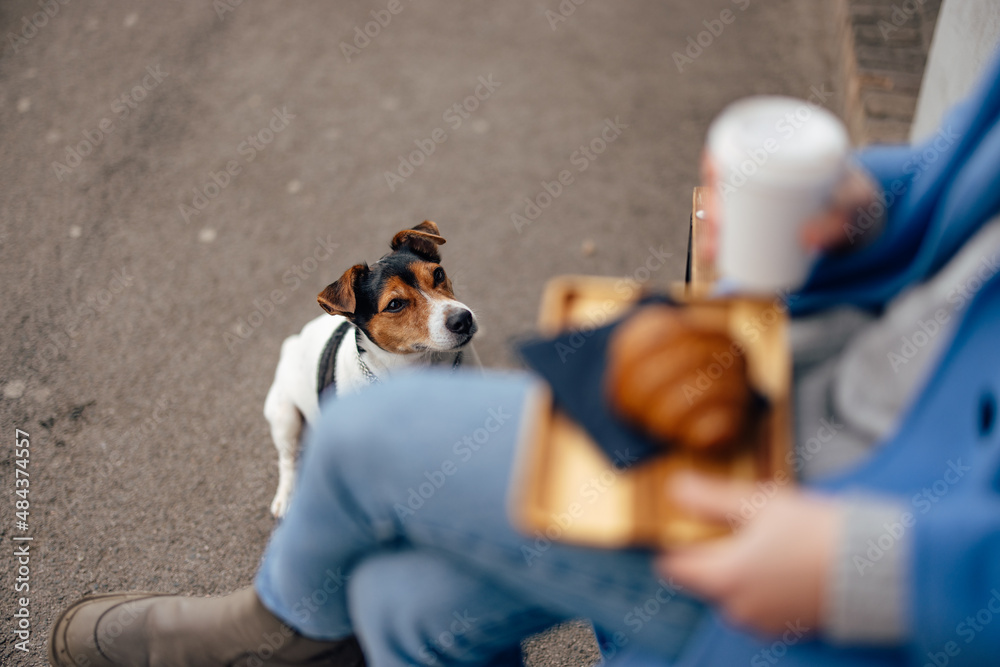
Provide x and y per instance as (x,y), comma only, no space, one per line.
(399,312)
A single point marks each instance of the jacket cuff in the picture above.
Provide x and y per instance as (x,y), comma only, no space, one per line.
(865,602)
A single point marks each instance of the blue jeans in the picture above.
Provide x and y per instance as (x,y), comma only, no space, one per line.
(398,533)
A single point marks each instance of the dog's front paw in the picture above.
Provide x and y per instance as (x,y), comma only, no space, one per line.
(280,503)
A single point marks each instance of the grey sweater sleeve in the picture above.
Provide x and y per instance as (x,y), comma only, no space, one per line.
(867,596)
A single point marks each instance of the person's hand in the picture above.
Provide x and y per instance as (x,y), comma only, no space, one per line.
(771,572)
(831,231)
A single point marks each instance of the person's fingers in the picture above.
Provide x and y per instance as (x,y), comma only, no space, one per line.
(826,231)
(708,498)
(708,246)
(708,171)
(703,570)
(829,230)
(858,190)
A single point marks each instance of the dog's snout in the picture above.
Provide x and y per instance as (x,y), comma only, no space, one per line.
(459,322)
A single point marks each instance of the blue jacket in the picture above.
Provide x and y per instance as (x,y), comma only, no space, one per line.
(948,441)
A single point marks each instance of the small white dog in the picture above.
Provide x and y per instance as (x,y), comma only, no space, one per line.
(399,312)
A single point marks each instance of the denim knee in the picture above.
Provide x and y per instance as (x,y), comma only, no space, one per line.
(418,607)
(414,409)
(399,613)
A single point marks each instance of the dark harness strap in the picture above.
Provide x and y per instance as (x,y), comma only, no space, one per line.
(327,376)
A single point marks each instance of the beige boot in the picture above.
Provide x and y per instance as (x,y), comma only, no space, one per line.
(125,629)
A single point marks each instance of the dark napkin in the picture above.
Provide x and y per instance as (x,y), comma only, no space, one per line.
(573,364)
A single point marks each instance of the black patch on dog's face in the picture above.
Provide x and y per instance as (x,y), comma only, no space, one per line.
(368,291)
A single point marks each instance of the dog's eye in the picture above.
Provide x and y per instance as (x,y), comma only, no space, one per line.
(438,276)
(395,306)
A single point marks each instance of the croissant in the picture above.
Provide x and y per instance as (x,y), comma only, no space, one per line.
(680,382)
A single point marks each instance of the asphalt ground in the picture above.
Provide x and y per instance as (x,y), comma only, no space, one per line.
(180,179)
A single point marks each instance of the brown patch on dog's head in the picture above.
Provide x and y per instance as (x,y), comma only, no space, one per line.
(339,298)
(404,302)
(399,323)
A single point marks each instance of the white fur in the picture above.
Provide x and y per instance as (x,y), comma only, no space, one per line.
(292,401)
(441,338)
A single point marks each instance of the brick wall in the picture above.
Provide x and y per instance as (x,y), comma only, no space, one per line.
(885,45)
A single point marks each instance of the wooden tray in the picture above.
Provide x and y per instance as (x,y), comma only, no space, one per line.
(566,489)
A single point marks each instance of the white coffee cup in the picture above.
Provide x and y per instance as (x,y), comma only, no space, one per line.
(777,162)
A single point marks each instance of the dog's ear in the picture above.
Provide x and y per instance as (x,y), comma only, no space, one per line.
(428,227)
(423,240)
(338,298)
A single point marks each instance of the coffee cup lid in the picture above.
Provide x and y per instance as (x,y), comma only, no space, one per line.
(785,137)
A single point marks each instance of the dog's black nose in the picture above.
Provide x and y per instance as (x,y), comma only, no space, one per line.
(460,322)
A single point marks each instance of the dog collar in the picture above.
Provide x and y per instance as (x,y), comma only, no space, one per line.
(367,372)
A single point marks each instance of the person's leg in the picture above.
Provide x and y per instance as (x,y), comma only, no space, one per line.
(422,463)
(418,607)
